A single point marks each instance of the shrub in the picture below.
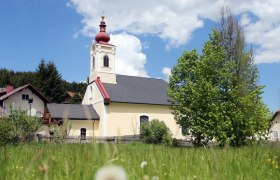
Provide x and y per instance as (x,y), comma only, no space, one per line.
(6,135)
(18,127)
(155,132)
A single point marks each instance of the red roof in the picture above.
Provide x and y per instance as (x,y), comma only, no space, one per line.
(70,93)
(103,91)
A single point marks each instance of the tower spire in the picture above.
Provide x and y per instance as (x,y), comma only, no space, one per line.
(102,37)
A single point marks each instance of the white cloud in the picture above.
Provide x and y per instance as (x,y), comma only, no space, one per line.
(166,71)
(129,57)
(174,21)
(262,28)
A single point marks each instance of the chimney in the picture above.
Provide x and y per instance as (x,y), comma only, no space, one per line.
(9,88)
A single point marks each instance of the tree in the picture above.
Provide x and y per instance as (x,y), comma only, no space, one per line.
(49,81)
(244,91)
(76,99)
(194,91)
(46,78)
(217,95)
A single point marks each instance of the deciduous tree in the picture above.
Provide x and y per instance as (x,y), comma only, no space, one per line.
(216,94)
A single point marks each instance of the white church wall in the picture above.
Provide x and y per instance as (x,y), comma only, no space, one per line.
(93,96)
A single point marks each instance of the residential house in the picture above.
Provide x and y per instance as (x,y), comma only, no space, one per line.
(26,98)
(274,130)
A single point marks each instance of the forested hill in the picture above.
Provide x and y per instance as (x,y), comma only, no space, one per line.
(46,79)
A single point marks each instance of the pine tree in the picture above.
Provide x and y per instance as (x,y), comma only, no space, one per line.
(49,81)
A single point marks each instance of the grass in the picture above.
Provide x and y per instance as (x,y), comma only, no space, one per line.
(81,161)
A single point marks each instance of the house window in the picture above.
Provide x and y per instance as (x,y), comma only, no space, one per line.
(275,134)
(144,119)
(25,96)
(106,61)
(93,62)
(83,133)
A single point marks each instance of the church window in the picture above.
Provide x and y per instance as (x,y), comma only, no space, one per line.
(83,133)
(106,61)
(93,62)
(144,119)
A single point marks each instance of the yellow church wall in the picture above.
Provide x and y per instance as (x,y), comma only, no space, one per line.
(76,126)
(124,118)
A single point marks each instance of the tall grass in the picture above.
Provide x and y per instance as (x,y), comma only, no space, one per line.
(81,161)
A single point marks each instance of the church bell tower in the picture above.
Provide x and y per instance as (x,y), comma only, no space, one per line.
(102,57)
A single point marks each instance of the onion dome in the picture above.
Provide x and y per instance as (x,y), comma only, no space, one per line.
(102,37)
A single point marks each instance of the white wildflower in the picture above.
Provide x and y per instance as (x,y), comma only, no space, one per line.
(111,172)
(155,178)
(143,164)
(145,177)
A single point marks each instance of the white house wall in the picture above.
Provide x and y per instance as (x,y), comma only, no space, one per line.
(15,101)
(275,128)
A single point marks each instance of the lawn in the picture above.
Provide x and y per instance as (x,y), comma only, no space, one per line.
(81,161)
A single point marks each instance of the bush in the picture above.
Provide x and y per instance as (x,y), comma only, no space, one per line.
(6,135)
(155,132)
(18,127)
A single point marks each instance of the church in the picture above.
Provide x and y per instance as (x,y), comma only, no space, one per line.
(122,102)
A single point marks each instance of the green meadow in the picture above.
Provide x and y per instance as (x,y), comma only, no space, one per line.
(81,161)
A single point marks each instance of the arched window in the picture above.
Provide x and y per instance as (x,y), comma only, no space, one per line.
(93,62)
(83,133)
(106,61)
(144,119)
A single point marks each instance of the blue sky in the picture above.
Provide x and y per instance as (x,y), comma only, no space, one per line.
(149,36)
